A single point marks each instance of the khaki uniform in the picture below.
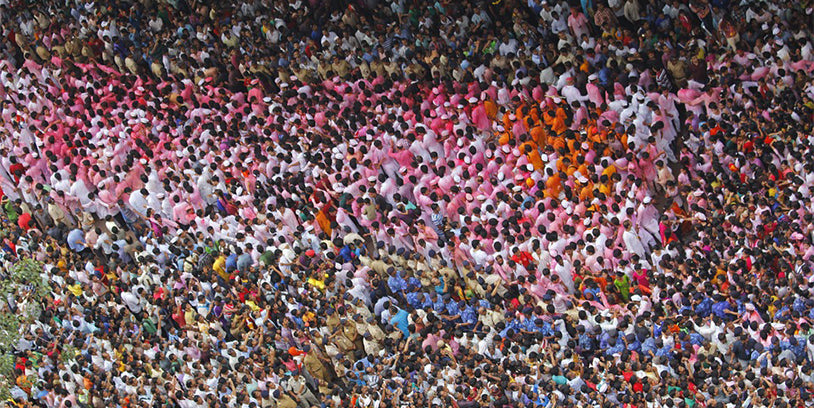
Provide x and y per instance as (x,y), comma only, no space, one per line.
(341,68)
(350,333)
(315,367)
(332,321)
(322,70)
(364,69)
(286,402)
(378,67)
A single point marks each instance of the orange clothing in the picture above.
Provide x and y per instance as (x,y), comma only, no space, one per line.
(533,155)
(587,192)
(609,171)
(537,134)
(553,186)
(491,109)
(323,222)
(504,138)
(556,142)
(604,188)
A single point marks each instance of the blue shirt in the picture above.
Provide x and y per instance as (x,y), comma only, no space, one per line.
(439,305)
(697,339)
(76,240)
(635,345)
(704,308)
(413,298)
(469,315)
(800,349)
(414,282)
(346,254)
(231,263)
(396,283)
(400,321)
(781,314)
(649,345)
(720,309)
(452,308)
(427,302)
(585,342)
(799,305)
(618,348)
(663,352)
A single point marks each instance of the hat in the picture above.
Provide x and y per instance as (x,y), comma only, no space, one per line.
(647,200)
(473,100)
(592,77)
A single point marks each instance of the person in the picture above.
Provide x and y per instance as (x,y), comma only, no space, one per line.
(407,204)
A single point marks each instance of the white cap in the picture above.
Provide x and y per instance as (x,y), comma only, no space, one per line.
(647,200)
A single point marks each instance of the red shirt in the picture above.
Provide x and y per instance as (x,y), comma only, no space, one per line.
(23,221)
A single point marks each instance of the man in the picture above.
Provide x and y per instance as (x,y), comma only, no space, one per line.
(632,241)
(76,240)
(295,386)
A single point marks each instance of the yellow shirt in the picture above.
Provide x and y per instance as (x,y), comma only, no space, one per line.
(219,266)
(319,284)
(75,289)
(252,305)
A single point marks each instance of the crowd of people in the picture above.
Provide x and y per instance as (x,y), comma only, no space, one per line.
(404,203)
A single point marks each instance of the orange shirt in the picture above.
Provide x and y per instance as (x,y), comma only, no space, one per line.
(533,155)
(604,188)
(504,138)
(557,142)
(609,171)
(587,192)
(538,134)
(490,108)
(553,186)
